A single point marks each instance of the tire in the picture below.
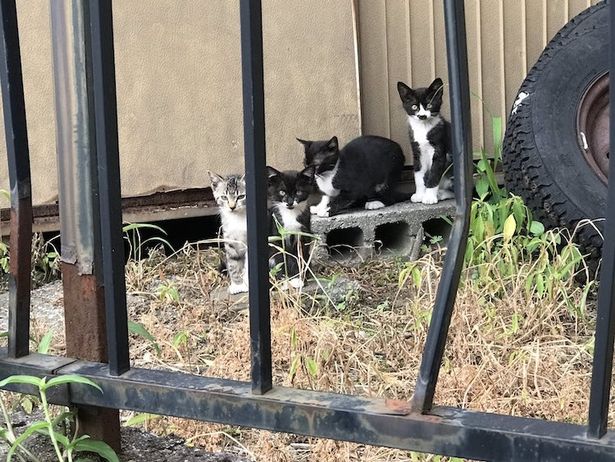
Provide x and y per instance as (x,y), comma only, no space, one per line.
(543,159)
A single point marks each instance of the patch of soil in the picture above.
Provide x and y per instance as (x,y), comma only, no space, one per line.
(137,446)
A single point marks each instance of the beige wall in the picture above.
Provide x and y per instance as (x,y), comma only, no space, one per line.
(179,77)
(179,87)
(404,40)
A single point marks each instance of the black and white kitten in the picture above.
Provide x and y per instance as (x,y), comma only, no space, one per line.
(230,195)
(364,173)
(288,193)
(430,139)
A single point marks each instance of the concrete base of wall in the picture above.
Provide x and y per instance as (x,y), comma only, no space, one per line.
(395,230)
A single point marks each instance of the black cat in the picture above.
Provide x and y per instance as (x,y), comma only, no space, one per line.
(430,137)
(362,174)
(288,194)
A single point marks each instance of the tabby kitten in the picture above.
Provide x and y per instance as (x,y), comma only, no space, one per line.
(288,193)
(230,195)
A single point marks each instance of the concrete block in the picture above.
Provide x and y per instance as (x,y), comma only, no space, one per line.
(360,234)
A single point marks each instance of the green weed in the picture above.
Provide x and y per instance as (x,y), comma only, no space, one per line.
(65,444)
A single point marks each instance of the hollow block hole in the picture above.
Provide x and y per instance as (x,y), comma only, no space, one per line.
(394,238)
(344,243)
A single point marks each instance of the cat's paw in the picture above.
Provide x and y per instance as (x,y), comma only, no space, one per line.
(430,197)
(297,283)
(373,205)
(237,288)
(319,211)
(416,197)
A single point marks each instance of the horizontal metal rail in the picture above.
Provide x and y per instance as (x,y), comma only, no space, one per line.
(447,431)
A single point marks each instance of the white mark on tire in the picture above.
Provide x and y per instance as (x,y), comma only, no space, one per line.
(520,98)
(584,140)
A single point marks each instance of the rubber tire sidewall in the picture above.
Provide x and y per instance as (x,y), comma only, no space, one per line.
(554,103)
(576,57)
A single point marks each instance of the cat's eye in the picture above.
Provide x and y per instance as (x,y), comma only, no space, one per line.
(414,107)
(282,193)
(241,197)
(429,106)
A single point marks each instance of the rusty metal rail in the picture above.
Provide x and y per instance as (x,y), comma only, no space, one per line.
(417,425)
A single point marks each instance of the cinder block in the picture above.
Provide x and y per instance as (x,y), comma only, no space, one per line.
(360,234)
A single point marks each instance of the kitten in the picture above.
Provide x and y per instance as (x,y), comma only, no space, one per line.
(288,193)
(230,195)
(364,173)
(430,138)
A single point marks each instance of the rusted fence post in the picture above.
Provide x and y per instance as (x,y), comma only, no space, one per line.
(84,304)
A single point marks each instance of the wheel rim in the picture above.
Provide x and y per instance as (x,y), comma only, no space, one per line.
(593,126)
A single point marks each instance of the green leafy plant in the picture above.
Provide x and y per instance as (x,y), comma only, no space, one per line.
(168,292)
(140,330)
(136,244)
(4,257)
(65,445)
(45,343)
(139,419)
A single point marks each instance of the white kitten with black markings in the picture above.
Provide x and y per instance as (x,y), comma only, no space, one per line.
(430,140)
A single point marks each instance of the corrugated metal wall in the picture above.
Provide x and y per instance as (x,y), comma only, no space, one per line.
(404,40)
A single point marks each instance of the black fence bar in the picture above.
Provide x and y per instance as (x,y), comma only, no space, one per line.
(256,192)
(19,179)
(448,431)
(605,320)
(462,157)
(101,53)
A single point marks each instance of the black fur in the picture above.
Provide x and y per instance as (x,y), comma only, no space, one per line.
(439,137)
(368,169)
(289,192)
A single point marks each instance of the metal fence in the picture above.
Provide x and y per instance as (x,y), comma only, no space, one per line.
(418,425)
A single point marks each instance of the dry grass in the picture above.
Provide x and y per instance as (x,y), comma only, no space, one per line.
(515,353)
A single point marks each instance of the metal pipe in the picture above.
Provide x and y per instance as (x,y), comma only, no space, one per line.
(462,158)
(102,54)
(73,143)
(605,319)
(16,135)
(256,192)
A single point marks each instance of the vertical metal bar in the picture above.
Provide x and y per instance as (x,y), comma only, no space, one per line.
(102,57)
(256,192)
(605,319)
(84,302)
(20,184)
(84,310)
(462,157)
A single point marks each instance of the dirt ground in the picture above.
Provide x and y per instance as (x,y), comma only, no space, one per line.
(509,351)
(137,446)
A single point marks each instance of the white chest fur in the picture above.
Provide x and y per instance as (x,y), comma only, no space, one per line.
(420,130)
(234,222)
(325,182)
(290,216)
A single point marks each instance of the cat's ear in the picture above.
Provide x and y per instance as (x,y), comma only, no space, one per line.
(214,178)
(332,144)
(436,86)
(304,142)
(309,171)
(271,172)
(405,92)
